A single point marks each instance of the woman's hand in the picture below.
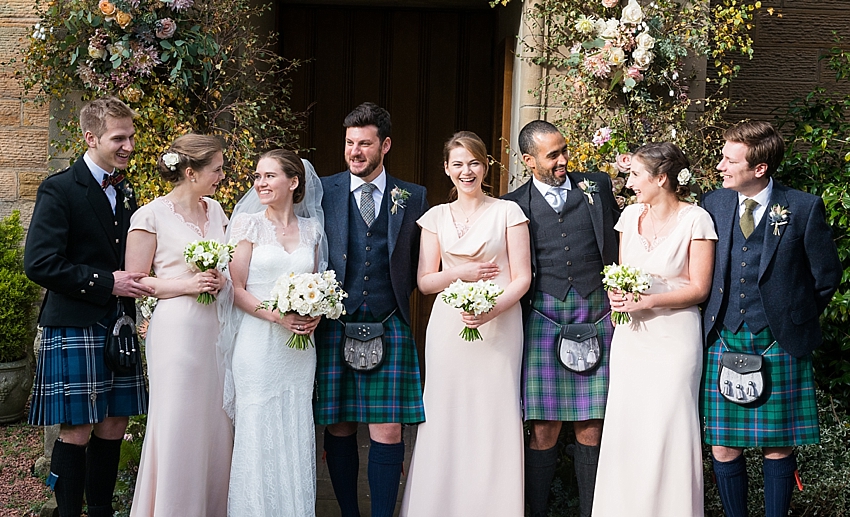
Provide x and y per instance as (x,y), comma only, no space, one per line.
(625,302)
(475,271)
(297,324)
(472,321)
(210,281)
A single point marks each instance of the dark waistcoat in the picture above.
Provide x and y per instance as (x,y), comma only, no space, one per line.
(743,303)
(367,274)
(565,246)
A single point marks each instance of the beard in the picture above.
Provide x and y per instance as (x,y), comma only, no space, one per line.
(548,177)
(369,168)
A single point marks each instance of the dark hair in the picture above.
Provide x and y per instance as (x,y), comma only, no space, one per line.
(532,129)
(193,150)
(292,166)
(94,114)
(472,143)
(370,114)
(763,141)
(664,158)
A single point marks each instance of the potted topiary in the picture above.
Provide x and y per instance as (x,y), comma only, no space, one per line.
(17,321)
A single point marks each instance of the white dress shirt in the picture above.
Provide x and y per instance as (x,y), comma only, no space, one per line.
(98,173)
(377,193)
(544,188)
(762,198)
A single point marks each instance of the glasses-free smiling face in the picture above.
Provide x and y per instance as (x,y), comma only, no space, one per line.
(737,174)
(645,186)
(271,183)
(549,161)
(465,170)
(113,148)
(364,152)
(208,178)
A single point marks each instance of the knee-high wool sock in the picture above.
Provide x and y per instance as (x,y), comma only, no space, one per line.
(586,461)
(778,485)
(343,467)
(732,484)
(385,462)
(102,458)
(68,477)
(539,471)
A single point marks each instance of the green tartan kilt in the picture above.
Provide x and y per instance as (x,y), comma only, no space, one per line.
(786,416)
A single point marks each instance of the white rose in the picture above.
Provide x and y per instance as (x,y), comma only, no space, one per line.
(645,41)
(642,57)
(96,53)
(599,25)
(632,13)
(616,56)
(684,177)
(612,29)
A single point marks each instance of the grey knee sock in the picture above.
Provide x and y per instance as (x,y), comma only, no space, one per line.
(586,460)
(539,471)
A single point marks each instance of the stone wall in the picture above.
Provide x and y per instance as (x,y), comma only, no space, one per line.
(786,62)
(23,125)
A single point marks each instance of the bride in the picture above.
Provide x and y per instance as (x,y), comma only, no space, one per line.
(278,228)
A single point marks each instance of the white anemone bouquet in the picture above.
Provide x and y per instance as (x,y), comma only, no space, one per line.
(314,294)
(206,255)
(473,298)
(628,279)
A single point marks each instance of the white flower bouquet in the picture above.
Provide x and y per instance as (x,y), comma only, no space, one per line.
(314,294)
(473,298)
(628,279)
(206,255)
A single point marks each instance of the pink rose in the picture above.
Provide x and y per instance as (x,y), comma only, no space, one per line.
(165,28)
(624,161)
(610,3)
(635,73)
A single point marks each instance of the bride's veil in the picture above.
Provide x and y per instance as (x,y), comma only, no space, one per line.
(230,317)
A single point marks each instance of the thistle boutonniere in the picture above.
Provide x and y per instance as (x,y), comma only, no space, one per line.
(128,193)
(779,216)
(588,188)
(398,196)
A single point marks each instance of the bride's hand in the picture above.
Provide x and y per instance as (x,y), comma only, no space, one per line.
(297,324)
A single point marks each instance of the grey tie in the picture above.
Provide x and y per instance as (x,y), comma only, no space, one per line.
(555,199)
(748,224)
(367,203)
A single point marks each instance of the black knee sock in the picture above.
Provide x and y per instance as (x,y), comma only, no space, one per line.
(385,462)
(586,461)
(102,459)
(343,467)
(539,471)
(731,479)
(778,485)
(68,477)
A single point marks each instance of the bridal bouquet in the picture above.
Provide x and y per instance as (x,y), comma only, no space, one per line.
(473,298)
(206,255)
(316,294)
(627,279)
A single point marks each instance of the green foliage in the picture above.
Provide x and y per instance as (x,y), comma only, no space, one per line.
(19,294)
(817,160)
(184,66)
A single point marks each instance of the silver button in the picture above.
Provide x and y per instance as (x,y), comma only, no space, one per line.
(721,290)
(117,241)
(95,275)
(366,278)
(712,318)
(368,263)
(116,223)
(570,278)
(91,284)
(744,248)
(365,293)
(743,264)
(344,256)
(82,291)
(560,219)
(743,295)
(368,248)
(743,281)
(566,248)
(743,311)
(563,235)
(368,234)
(569,262)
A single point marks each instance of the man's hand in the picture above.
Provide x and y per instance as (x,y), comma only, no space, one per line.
(127,284)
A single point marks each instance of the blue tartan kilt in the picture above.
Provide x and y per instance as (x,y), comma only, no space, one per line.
(390,394)
(72,384)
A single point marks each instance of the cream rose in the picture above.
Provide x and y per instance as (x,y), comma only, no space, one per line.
(632,13)
(106,7)
(616,56)
(642,57)
(123,19)
(96,52)
(612,29)
(644,40)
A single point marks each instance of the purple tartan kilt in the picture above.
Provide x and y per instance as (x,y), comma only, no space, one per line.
(789,414)
(550,391)
(390,394)
(72,383)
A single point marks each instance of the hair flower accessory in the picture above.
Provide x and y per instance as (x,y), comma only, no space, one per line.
(171,160)
(398,197)
(589,188)
(684,176)
(779,216)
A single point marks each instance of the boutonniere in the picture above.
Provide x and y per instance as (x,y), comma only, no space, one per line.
(398,196)
(588,188)
(128,193)
(779,216)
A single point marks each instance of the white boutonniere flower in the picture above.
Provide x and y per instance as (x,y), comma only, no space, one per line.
(588,188)
(398,196)
(778,216)
(127,192)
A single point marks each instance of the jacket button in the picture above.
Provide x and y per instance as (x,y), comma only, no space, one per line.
(368,234)
(95,275)
(368,263)
(563,235)
(560,219)
(743,311)
(93,396)
(366,278)
(743,264)
(743,295)
(570,278)
(82,291)
(712,318)
(744,248)
(91,284)
(344,256)
(743,280)
(365,293)
(566,248)
(569,262)
(368,248)
(116,223)
(117,241)
(721,290)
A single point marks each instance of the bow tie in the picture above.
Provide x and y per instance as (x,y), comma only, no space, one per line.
(111,179)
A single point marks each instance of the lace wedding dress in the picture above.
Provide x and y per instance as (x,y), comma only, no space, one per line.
(274,469)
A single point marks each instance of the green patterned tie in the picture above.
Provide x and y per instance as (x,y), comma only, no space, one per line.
(747,221)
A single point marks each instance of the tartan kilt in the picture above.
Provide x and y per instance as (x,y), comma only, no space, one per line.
(390,394)
(787,416)
(550,391)
(72,383)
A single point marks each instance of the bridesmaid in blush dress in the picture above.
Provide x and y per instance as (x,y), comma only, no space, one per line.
(468,458)
(185,464)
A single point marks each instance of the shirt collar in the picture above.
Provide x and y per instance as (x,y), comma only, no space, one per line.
(96,171)
(380,182)
(762,198)
(544,188)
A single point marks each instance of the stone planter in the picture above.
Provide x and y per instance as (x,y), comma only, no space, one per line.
(15,384)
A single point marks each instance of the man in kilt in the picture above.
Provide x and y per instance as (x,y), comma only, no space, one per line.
(373,245)
(572,217)
(776,269)
(75,249)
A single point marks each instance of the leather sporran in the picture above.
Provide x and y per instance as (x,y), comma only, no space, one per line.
(740,379)
(121,351)
(363,347)
(578,347)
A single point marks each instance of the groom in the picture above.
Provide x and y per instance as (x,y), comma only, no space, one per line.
(776,269)
(373,245)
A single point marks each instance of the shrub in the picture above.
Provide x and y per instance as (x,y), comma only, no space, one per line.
(17,292)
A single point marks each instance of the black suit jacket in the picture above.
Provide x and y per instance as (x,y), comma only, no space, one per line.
(799,269)
(604,214)
(403,233)
(74,243)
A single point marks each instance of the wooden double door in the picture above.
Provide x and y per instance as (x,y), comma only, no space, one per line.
(434,70)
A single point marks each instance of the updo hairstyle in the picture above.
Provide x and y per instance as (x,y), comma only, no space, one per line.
(192,150)
(292,166)
(472,143)
(665,158)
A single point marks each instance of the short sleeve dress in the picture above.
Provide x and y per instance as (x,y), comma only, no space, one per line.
(650,464)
